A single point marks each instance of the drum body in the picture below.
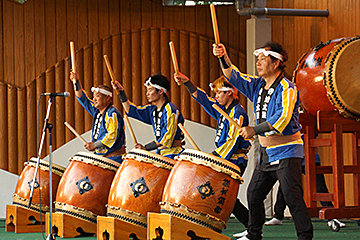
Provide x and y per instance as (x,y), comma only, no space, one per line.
(202,188)
(328,77)
(138,186)
(23,188)
(84,188)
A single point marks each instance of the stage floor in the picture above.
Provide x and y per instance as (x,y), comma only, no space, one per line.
(285,231)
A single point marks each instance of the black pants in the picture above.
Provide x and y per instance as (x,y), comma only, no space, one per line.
(321,187)
(240,211)
(288,172)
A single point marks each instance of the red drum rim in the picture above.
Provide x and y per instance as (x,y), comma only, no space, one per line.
(209,160)
(337,93)
(95,160)
(23,202)
(191,215)
(44,165)
(127,216)
(150,157)
(77,212)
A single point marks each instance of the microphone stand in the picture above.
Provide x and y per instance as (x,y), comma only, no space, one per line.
(48,126)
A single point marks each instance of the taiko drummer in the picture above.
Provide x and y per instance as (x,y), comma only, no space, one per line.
(229,144)
(162,114)
(108,136)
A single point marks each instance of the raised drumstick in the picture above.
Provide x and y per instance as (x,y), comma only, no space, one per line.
(174,59)
(72,55)
(75,132)
(130,129)
(111,72)
(188,136)
(238,126)
(214,23)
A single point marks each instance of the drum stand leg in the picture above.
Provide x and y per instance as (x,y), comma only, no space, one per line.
(67,226)
(23,220)
(113,228)
(174,228)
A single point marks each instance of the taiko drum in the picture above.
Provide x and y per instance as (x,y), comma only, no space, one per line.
(328,77)
(84,188)
(138,186)
(23,188)
(202,189)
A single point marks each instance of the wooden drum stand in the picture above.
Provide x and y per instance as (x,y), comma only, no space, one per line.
(331,122)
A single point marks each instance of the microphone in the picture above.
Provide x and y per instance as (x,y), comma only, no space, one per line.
(60,94)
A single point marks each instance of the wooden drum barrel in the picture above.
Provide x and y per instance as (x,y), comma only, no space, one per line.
(328,77)
(138,186)
(22,191)
(202,189)
(84,188)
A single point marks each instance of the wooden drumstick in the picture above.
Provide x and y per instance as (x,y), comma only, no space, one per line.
(72,55)
(174,59)
(238,126)
(188,136)
(130,129)
(111,72)
(214,23)
(75,132)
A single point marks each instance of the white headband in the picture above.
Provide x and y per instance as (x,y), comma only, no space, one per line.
(148,82)
(222,89)
(267,53)
(100,90)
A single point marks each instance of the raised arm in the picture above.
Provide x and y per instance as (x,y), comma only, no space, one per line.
(187,83)
(74,77)
(219,51)
(122,95)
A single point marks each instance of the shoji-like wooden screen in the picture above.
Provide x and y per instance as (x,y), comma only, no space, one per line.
(134,56)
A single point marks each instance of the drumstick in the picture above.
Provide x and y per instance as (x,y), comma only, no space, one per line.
(188,136)
(214,23)
(111,73)
(72,54)
(130,129)
(238,126)
(74,132)
(174,59)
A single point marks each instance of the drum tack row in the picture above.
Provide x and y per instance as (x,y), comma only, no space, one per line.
(148,196)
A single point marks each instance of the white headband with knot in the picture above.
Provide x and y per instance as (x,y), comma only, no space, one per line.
(100,90)
(148,82)
(222,89)
(268,52)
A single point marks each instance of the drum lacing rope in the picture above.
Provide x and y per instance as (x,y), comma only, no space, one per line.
(78,215)
(191,219)
(155,159)
(26,206)
(127,219)
(211,161)
(331,83)
(45,165)
(97,160)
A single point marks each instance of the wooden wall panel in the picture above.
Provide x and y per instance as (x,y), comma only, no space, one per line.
(8,40)
(145,61)
(3,130)
(21,137)
(194,74)
(50,33)
(19,79)
(87,82)
(59,108)
(40,43)
(31,124)
(62,44)
(12,129)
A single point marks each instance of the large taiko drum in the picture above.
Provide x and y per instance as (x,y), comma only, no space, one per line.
(138,186)
(23,188)
(328,77)
(202,189)
(84,188)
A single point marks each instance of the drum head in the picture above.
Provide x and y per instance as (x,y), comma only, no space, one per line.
(345,61)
